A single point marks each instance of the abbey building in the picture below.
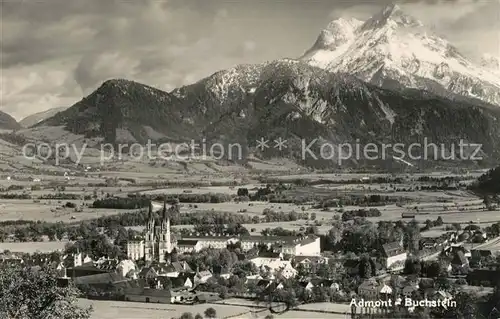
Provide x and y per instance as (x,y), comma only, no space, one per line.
(157,242)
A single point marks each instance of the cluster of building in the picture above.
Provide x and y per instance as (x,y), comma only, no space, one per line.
(158,242)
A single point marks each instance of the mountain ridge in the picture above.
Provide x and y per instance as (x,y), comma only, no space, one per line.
(7,122)
(35,118)
(370,95)
(284,98)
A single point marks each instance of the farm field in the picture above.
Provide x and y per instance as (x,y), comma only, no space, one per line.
(319,306)
(200,190)
(82,190)
(345,176)
(134,310)
(254,208)
(49,210)
(32,247)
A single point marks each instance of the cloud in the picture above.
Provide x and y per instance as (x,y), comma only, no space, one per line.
(55,51)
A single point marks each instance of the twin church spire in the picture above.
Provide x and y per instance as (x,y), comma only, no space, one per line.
(165,220)
(158,239)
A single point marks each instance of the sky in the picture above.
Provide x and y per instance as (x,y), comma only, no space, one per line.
(54,52)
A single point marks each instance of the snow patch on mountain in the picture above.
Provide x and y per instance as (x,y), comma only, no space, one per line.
(491,62)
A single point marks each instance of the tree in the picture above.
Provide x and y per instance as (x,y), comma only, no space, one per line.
(242,192)
(29,293)
(439,221)
(198,316)
(412,267)
(210,313)
(186,315)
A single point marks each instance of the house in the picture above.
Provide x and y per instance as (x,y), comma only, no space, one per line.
(148,273)
(307,285)
(334,286)
(309,262)
(201,277)
(453,249)
(319,282)
(408,215)
(132,274)
(99,279)
(124,267)
(275,266)
(272,287)
(395,254)
(82,271)
(176,268)
(252,280)
(369,289)
(452,236)
(427,243)
(106,264)
(180,282)
(182,296)
(149,295)
(225,273)
(286,271)
(189,245)
(410,288)
(385,290)
(87,259)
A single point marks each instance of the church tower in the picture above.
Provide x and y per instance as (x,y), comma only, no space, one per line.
(149,245)
(165,243)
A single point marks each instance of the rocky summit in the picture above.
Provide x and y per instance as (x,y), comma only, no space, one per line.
(394,50)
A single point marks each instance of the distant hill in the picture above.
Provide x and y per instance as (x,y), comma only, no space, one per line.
(7,122)
(33,119)
(283,98)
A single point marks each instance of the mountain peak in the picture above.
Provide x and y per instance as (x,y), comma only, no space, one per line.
(391,9)
(116,82)
(337,33)
(391,14)
(394,50)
